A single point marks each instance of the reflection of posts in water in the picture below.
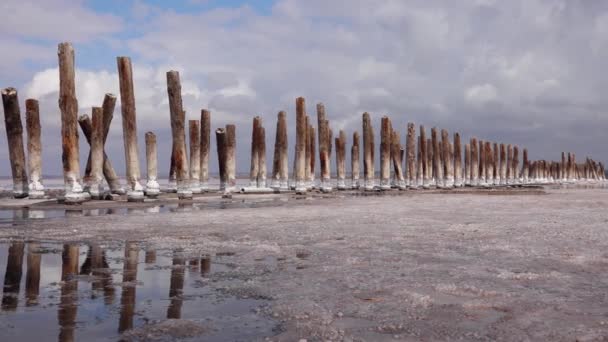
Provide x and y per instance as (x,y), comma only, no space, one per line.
(32,277)
(129,276)
(150,256)
(96,264)
(68,304)
(12,278)
(174,311)
(205,265)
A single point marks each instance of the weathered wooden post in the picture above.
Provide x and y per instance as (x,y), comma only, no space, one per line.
(195,156)
(467,165)
(34,149)
(14,133)
(172,182)
(503,166)
(354,161)
(525,167)
(410,156)
(307,155)
(324,148)
(482,162)
(95,186)
(129,126)
(474,162)
(420,164)
(255,162)
(204,149)
(68,104)
(429,163)
(230,158)
(424,155)
(437,165)
(220,136)
(563,173)
(312,138)
(397,158)
(515,166)
(341,160)
(262,159)
(385,153)
(280,172)
(489,169)
(300,156)
(368,153)
(448,166)
(495,169)
(32,277)
(509,166)
(178,117)
(458,182)
(152,186)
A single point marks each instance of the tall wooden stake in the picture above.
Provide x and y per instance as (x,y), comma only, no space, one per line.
(354,161)
(14,134)
(178,131)
(385,153)
(96,187)
(195,156)
(368,153)
(205,147)
(300,156)
(152,186)
(34,149)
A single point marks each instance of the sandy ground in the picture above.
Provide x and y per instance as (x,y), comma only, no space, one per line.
(419,266)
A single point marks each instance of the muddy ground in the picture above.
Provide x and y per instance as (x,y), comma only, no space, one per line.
(521,265)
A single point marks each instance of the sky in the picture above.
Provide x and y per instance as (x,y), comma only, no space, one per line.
(525,72)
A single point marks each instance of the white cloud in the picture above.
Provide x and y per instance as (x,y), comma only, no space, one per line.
(481,94)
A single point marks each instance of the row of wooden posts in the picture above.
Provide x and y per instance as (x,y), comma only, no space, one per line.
(423,163)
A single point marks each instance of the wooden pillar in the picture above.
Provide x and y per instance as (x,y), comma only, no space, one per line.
(95,186)
(482,163)
(230,158)
(261,179)
(448,166)
(307,155)
(195,156)
(68,105)
(410,156)
(300,155)
(204,149)
(178,132)
(152,186)
(312,138)
(34,149)
(354,161)
(14,134)
(129,127)
(488,160)
(324,153)
(467,165)
(509,165)
(368,153)
(503,165)
(424,153)
(220,136)
(341,160)
(495,169)
(458,180)
(525,167)
(429,163)
(420,164)
(385,153)
(563,173)
(515,166)
(437,165)
(397,158)
(172,183)
(280,172)
(255,163)
(474,162)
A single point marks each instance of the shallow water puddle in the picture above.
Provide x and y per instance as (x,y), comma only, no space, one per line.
(90,292)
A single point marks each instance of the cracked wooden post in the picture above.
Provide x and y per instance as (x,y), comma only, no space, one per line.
(474,162)
(482,162)
(172,182)
(280,172)
(95,186)
(495,169)
(129,126)
(34,149)
(108,105)
(68,105)
(467,164)
(575,175)
(369,181)
(509,165)
(220,136)
(300,156)
(397,158)
(420,164)
(312,138)
(14,134)
(330,139)
(152,186)
(230,158)
(515,166)
(525,167)
(429,163)
(448,166)
(424,153)
(341,160)
(503,165)
(255,163)
(262,159)
(307,155)
(178,132)
(195,156)
(437,165)
(458,181)
(354,161)
(324,154)
(488,168)
(410,155)
(563,174)
(204,149)
(385,153)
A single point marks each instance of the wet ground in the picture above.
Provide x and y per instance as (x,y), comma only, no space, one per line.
(516,265)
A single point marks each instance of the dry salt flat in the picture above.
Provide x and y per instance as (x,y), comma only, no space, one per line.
(487,265)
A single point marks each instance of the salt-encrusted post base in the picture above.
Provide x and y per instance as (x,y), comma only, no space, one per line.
(256,190)
(152,189)
(36,190)
(195,187)
(20,190)
(341,184)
